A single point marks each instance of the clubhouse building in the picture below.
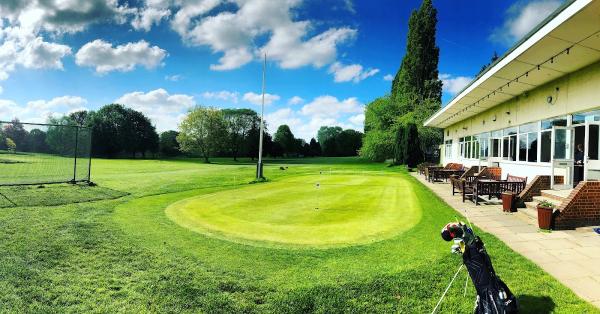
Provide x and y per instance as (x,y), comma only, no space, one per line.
(535,113)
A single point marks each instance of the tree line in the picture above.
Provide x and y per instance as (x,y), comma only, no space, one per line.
(208,132)
(118,131)
(394,123)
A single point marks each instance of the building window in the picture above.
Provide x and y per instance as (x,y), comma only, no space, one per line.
(509,144)
(469,147)
(448,149)
(496,143)
(484,142)
(475,147)
(546,137)
(528,134)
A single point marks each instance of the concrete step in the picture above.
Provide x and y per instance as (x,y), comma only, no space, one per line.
(537,199)
(556,195)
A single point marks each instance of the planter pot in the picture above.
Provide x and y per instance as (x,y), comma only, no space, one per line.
(508,202)
(544,217)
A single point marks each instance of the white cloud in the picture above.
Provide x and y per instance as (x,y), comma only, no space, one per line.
(454,84)
(174,77)
(222,95)
(234,34)
(24,23)
(353,72)
(149,16)
(388,77)
(296,100)
(358,119)
(38,111)
(164,109)
(104,58)
(256,99)
(330,107)
(321,111)
(521,18)
(39,54)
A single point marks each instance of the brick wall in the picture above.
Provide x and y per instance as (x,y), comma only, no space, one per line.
(581,208)
(536,185)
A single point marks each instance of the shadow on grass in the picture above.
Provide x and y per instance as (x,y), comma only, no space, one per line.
(535,304)
(56,194)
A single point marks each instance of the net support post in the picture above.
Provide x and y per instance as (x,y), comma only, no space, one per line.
(75,155)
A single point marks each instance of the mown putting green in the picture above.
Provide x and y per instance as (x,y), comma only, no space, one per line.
(342,210)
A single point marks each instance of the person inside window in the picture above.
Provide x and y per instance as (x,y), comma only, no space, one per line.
(579,158)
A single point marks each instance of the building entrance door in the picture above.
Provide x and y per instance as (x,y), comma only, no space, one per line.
(562,157)
(591,152)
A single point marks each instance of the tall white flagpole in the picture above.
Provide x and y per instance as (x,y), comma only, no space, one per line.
(259,167)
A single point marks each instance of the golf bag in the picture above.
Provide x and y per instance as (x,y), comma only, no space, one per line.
(493,296)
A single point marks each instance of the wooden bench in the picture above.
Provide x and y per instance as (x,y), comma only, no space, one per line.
(494,188)
(459,182)
(423,166)
(446,172)
(486,173)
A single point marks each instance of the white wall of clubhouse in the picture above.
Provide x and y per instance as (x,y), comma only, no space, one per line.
(572,93)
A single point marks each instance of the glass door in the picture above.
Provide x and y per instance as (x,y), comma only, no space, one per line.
(562,157)
(591,156)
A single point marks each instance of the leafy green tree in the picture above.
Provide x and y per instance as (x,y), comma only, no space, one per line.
(80,117)
(381,114)
(239,124)
(349,142)
(117,129)
(142,136)
(61,136)
(37,141)
(168,145)
(414,155)
(325,133)
(376,145)
(330,147)
(10,145)
(400,149)
(17,133)
(2,140)
(315,148)
(415,94)
(418,74)
(285,138)
(276,150)
(203,132)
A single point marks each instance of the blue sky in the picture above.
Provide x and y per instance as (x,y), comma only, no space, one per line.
(326,59)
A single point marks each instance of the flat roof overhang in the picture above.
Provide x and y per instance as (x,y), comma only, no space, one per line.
(565,42)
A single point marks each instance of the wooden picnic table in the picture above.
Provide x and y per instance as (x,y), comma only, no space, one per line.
(439,174)
(494,188)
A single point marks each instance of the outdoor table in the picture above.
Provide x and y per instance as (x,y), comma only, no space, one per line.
(489,187)
(494,188)
(445,174)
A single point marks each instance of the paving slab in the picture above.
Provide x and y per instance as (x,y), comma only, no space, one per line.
(571,256)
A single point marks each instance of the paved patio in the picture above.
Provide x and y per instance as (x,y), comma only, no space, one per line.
(571,256)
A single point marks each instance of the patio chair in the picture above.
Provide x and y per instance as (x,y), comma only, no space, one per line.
(459,182)
(423,166)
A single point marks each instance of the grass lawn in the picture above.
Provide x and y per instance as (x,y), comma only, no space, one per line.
(182,236)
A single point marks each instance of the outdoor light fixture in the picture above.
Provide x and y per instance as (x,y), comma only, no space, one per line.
(549,99)
(508,113)
(494,118)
